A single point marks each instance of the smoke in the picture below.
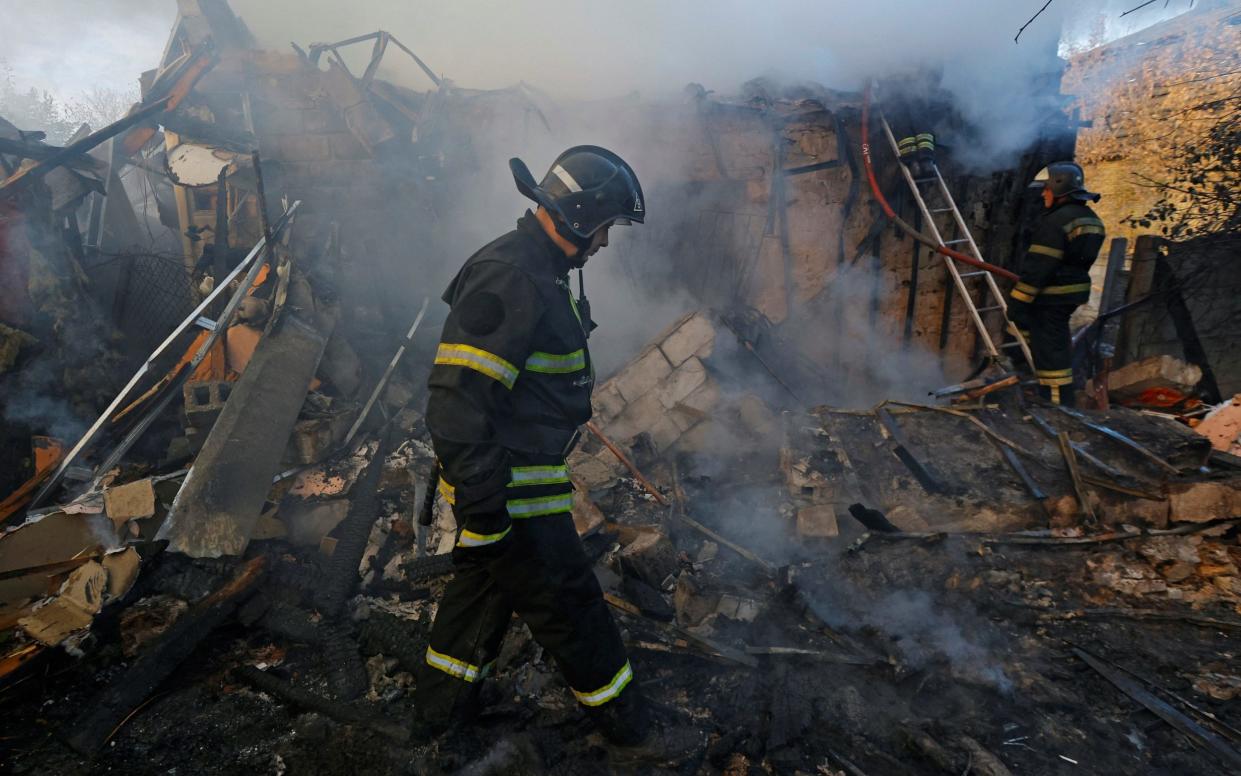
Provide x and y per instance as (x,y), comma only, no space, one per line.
(597,50)
(920,631)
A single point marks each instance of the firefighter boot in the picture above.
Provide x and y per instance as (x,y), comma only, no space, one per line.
(642,734)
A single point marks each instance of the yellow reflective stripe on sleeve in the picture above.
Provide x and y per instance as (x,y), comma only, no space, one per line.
(1020,296)
(539,475)
(1027,288)
(1070,289)
(556,364)
(538,507)
(609,690)
(1084,230)
(455,667)
(471,539)
(1047,250)
(447,491)
(456,354)
(1081,222)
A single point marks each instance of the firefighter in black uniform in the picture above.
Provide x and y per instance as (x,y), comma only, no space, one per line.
(1055,276)
(510,386)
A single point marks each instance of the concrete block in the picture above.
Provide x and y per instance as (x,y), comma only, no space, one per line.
(220,501)
(682,382)
(817,521)
(1199,502)
(587,518)
(704,399)
(131,501)
(642,374)
(608,403)
(592,471)
(204,401)
(691,336)
(664,433)
(1131,381)
(639,416)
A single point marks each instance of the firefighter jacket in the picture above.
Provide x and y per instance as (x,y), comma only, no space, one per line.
(512,377)
(1056,267)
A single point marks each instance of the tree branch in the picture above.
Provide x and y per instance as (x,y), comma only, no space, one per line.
(1031,20)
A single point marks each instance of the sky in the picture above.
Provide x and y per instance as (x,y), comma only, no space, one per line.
(575,49)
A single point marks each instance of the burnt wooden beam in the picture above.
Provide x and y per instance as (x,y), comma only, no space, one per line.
(125,693)
(922,471)
(1070,461)
(1216,745)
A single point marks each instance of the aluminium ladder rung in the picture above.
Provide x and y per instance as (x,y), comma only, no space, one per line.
(973,274)
(989,309)
(950,206)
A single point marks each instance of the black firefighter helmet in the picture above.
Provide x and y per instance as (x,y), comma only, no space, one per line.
(588,187)
(1065,179)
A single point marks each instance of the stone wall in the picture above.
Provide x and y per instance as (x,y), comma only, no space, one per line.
(1142,93)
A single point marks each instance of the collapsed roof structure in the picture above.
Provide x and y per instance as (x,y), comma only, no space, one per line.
(827,569)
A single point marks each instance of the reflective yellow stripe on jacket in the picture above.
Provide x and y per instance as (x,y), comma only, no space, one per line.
(457,354)
(556,364)
(1080,226)
(1047,250)
(1024,292)
(608,691)
(454,667)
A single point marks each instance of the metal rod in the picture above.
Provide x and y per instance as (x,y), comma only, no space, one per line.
(92,432)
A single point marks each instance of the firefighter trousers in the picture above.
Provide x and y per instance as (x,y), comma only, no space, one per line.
(1052,347)
(544,576)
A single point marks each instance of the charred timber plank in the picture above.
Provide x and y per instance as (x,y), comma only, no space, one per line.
(930,480)
(127,691)
(1121,438)
(1165,711)
(1070,461)
(329,708)
(217,508)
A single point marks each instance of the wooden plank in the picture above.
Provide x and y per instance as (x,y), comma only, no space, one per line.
(1070,460)
(1216,745)
(922,471)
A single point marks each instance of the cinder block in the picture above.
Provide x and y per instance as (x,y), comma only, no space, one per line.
(642,374)
(681,383)
(704,399)
(817,521)
(639,416)
(204,401)
(607,403)
(664,433)
(1203,501)
(690,337)
(591,471)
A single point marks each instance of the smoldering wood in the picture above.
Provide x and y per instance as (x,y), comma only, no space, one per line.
(158,662)
(1222,750)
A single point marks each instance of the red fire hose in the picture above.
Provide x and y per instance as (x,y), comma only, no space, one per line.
(900,222)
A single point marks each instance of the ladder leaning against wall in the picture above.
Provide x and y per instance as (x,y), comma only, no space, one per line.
(991,297)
